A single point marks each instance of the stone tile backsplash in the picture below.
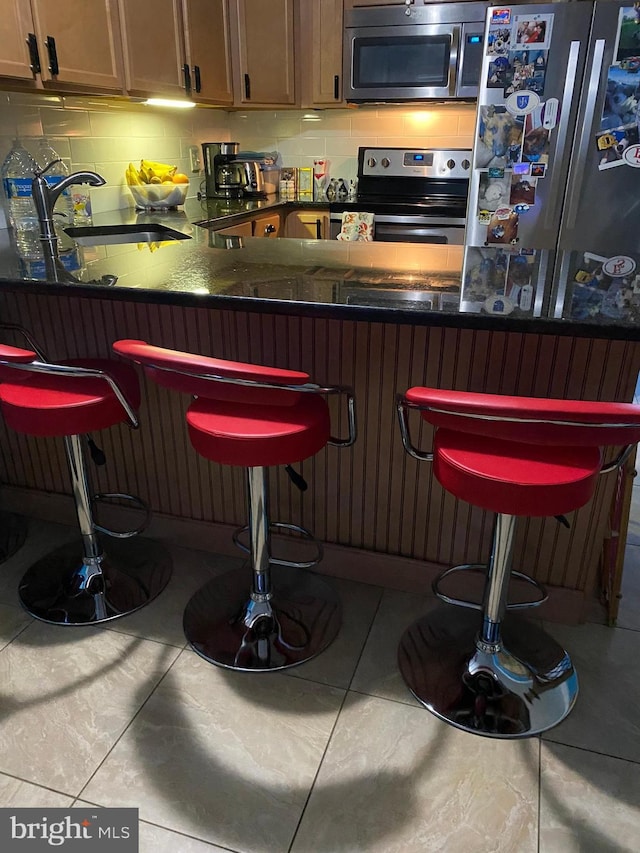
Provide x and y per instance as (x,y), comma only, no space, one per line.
(105,134)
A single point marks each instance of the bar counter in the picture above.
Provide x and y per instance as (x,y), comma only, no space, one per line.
(312,305)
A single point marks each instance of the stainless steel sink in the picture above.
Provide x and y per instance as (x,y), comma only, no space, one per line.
(100,235)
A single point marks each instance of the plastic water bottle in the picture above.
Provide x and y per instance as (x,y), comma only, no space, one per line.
(46,154)
(17,174)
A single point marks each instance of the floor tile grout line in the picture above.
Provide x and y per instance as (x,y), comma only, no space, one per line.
(317,773)
(165,828)
(19,634)
(539,789)
(131,721)
(333,728)
(36,785)
(591,751)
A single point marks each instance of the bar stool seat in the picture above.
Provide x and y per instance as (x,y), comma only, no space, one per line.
(494,674)
(254,417)
(513,477)
(54,405)
(88,581)
(233,433)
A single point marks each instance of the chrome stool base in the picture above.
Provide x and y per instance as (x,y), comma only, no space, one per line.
(296,622)
(66,588)
(487,692)
(13,532)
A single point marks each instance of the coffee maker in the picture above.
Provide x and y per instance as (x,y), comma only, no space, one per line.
(224,175)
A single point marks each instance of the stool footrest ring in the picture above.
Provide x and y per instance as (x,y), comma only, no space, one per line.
(125,534)
(473,605)
(274,561)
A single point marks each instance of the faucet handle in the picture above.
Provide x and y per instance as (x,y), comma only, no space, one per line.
(38,172)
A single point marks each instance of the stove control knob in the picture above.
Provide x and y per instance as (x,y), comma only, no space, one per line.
(465,164)
(385,162)
(371,162)
(451,164)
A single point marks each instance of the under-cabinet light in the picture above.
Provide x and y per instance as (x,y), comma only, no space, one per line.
(168,102)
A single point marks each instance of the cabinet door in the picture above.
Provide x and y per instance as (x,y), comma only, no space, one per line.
(15,25)
(243,229)
(206,37)
(320,57)
(264,45)
(153,47)
(307,225)
(79,42)
(267,225)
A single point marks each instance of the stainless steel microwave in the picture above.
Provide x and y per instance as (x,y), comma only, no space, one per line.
(412,53)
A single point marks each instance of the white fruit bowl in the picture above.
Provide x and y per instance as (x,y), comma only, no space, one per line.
(158,196)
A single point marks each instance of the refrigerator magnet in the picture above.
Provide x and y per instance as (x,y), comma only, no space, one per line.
(622,94)
(620,266)
(532,30)
(538,170)
(631,156)
(522,103)
(523,190)
(628,35)
(499,138)
(500,17)
(498,304)
(613,146)
(528,70)
(500,73)
(503,227)
(498,39)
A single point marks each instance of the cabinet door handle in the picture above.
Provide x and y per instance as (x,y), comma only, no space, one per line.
(247,87)
(318,229)
(196,77)
(269,229)
(53,56)
(187,78)
(336,87)
(34,56)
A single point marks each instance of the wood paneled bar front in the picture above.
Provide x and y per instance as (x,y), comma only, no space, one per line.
(382,515)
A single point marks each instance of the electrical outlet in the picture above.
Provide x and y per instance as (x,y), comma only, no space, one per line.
(194,158)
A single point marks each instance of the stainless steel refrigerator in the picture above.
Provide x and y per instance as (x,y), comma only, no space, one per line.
(553,221)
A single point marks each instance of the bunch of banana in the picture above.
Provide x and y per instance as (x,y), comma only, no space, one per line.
(151,172)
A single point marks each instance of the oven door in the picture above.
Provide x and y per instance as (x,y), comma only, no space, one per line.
(410,229)
(406,63)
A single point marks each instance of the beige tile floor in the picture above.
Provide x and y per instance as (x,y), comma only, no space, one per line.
(332,756)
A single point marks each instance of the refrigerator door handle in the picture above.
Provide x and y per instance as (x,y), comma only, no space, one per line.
(565,108)
(585,131)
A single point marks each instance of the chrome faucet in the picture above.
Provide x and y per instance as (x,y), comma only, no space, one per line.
(45,197)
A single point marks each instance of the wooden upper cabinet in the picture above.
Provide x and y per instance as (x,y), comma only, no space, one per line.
(153,47)
(15,25)
(263,45)
(319,55)
(77,43)
(206,38)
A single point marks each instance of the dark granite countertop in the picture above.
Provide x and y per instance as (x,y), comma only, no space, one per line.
(385,282)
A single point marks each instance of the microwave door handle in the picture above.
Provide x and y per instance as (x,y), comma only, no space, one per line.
(585,130)
(453,60)
(561,139)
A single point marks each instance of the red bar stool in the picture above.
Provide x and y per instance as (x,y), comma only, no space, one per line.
(515,456)
(83,582)
(253,417)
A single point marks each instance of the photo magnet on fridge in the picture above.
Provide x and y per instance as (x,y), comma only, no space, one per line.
(628,36)
(523,190)
(499,138)
(622,97)
(528,70)
(500,73)
(535,145)
(532,31)
(503,227)
(612,144)
(498,40)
